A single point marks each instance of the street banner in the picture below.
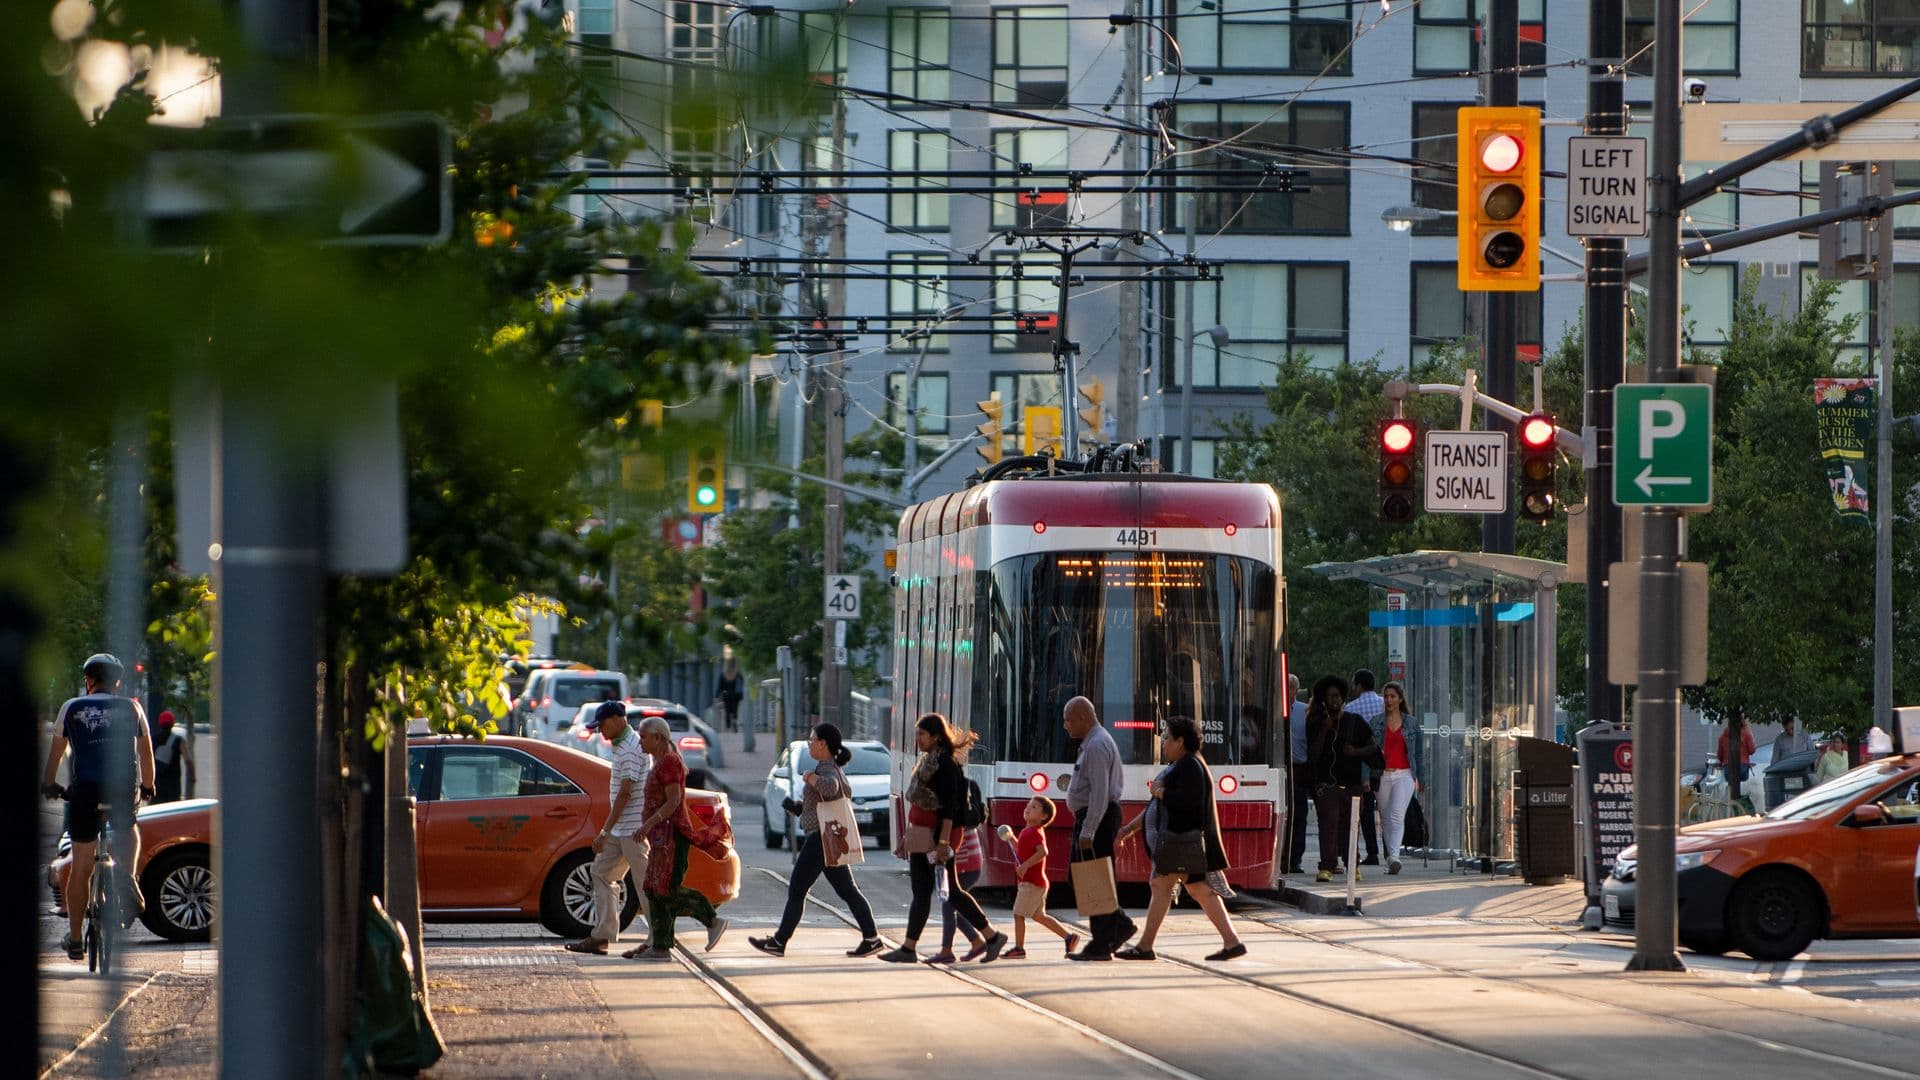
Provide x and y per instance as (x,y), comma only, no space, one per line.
(1845,411)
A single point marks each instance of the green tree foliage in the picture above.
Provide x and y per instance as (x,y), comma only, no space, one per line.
(1321,452)
(1792,585)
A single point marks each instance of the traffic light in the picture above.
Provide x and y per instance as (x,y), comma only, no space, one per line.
(1498,199)
(1041,430)
(1398,443)
(991,431)
(706,476)
(1538,499)
(1094,416)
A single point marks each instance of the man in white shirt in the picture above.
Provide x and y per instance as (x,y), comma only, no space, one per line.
(619,845)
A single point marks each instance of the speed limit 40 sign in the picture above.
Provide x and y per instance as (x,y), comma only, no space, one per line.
(843,596)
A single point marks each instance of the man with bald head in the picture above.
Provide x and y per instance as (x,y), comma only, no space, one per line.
(1094,799)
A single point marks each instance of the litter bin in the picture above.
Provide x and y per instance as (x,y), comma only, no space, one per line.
(1790,776)
(1543,811)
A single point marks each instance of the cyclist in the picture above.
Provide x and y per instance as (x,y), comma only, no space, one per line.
(99,726)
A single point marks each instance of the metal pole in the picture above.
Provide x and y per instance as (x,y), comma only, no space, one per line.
(1606,360)
(833,676)
(1883,491)
(126,605)
(910,459)
(1126,390)
(1657,703)
(1186,358)
(1501,85)
(1067,357)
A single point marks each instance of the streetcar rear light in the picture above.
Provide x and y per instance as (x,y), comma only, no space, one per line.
(1229,785)
(1039,526)
(1232,528)
(1038,782)
(692,742)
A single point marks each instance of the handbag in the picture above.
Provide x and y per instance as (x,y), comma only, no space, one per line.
(1415,832)
(1181,853)
(840,839)
(1093,889)
(917,838)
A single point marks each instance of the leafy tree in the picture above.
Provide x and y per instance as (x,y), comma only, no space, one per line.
(1792,585)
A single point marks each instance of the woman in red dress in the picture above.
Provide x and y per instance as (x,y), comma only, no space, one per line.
(670,831)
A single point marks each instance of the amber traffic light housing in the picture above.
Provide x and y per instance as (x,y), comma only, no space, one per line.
(1538,497)
(1498,199)
(706,476)
(1398,443)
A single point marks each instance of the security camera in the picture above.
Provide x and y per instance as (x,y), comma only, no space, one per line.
(1696,89)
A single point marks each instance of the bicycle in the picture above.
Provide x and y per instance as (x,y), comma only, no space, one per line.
(101,901)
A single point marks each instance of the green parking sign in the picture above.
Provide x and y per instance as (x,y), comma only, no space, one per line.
(1663,444)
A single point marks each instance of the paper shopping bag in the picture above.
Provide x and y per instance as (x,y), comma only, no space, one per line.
(1093,889)
(840,838)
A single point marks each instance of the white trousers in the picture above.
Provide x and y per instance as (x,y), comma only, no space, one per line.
(1396,791)
(610,866)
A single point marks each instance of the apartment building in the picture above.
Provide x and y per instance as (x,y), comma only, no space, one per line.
(1320,272)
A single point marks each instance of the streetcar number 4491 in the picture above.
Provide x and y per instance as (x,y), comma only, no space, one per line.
(1138,537)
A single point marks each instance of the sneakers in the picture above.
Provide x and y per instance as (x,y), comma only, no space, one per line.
(1231,952)
(994,944)
(1371,860)
(1091,954)
(1393,866)
(944,956)
(1073,942)
(772,946)
(717,931)
(901,955)
(76,949)
(1323,876)
(1014,954)
(867,947)
(590,946)
(979,949)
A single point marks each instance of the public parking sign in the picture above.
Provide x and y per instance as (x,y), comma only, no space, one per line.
(1663,444)
(1466,472)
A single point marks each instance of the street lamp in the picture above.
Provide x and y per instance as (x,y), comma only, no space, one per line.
(1404,218)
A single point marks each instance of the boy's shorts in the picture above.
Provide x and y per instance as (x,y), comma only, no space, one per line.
(1029,900)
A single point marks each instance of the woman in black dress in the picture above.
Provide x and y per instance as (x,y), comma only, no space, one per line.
(1182,807)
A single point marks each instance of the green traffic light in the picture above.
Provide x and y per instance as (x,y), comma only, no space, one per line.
(706,496)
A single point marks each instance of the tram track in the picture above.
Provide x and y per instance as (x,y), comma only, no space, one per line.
(1824,1058)
(1167,1068)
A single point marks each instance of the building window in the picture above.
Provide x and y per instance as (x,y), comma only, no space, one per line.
(1017,392)
(1855,300)
(1717,213)
(823,40)
(1304,36)
(594,25)
(917,287)
(918,200)
(1030,56)
(1321,211)
(1026,302)
(1023,208)
(1435,128)
(918,55)
(930,401)
(1446,36)
(1270,311)
(1710,44)
(697,136)
(1707,291)
(1443,314)
(1205,455)
(1860,37)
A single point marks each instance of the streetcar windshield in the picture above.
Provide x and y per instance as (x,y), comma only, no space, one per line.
(1146,635)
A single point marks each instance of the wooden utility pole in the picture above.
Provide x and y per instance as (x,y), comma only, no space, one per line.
(833,671)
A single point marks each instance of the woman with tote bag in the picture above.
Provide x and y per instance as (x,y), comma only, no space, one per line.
(1185,845)
(826,795)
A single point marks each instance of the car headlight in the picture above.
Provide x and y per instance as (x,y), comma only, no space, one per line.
(1692,859)
(1623,868)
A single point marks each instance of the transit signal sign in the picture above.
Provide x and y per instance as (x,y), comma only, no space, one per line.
(1663,444)
(1466,472)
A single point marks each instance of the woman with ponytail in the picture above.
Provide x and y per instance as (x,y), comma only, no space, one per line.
(824,784)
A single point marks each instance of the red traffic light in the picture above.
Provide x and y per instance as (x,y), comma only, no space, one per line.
(1537,432)
(1396,436)
(1501,153)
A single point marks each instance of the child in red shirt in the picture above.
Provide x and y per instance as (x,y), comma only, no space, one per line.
(1030,865)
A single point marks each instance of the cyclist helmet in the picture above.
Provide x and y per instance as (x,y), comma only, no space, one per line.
(104,668)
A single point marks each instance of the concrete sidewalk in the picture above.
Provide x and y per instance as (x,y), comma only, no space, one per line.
(1435,890)
(744,778)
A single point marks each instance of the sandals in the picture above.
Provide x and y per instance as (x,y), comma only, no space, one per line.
(1134,952)
(76,949)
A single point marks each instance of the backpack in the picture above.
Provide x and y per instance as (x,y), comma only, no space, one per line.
(974,812)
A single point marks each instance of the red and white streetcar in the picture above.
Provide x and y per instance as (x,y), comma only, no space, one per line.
(1154,595)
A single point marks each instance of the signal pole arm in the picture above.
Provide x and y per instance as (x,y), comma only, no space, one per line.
(1469,395)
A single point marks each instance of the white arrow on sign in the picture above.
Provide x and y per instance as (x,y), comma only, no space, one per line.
(1646,481)
(367,180)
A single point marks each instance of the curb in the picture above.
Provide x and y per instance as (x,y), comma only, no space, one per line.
(1317,903)
(737,795)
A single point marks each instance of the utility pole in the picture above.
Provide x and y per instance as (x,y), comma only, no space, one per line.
(1657,701)
(1606,360)
(1126,397)
(1500,85)
(1186,351)
(833,676)
(1883,472)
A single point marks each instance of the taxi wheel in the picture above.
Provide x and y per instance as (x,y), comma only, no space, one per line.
(566,903)
(1774,915)
(180,896)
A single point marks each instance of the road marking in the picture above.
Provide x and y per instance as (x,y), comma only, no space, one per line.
(769,1029)
(1897,984)
(1794,971)
(1098,1036)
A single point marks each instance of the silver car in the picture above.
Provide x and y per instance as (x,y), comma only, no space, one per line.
(869,773)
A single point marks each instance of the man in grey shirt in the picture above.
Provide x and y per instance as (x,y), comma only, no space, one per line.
(1094,799)
(1790,741)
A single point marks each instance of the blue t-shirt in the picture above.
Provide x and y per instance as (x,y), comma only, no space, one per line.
(95,726)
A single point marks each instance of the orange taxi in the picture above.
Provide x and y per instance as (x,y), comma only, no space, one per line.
(1841,860)
(504,832)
